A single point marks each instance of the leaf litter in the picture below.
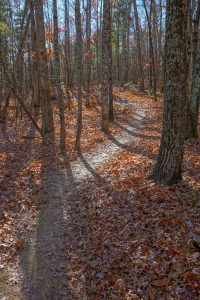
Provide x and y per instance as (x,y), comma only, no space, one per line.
(126,237)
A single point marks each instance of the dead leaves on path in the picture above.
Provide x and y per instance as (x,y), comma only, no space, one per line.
(128,238)
(133,238)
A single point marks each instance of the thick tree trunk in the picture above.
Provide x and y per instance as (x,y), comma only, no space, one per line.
(47,116)
(168,166)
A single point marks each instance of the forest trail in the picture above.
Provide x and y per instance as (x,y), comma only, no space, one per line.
(43,266)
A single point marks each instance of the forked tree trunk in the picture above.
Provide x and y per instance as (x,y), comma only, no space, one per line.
(168,166)
(47,116)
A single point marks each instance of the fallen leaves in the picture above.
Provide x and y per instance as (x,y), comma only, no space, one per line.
(127,237)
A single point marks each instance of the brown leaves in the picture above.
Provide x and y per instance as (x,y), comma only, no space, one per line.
(157,287)
(163,282)
(126,236)
(192,278)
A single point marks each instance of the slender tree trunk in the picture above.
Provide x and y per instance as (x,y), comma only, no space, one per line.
(47,116)
(118,52)
(79,68)
(193,105)
(88,51)
(35,90)
(193,112)
(106,66)
(139,48)
(58,79)
(68,53)
(110,62)
(151,48)
(97,42)
(160,51)
(168,166)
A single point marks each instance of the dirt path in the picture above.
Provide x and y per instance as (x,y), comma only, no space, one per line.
(42,267)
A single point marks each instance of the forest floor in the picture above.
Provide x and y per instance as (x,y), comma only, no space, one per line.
(92,225)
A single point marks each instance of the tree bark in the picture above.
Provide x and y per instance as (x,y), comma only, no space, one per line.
(46,110)
(151,48)
(88,52)
(79,68)
(193,104)
(106,67)
(35,90)
(58,79)
(139,48)
(168,166)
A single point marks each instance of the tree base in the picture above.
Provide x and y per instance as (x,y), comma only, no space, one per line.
(165,179)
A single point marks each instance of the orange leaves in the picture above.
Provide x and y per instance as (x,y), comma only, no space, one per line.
(49,37)
(20,244)
(34,54)
(49,53)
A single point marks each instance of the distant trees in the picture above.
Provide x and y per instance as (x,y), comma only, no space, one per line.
(101,44)
(168,166)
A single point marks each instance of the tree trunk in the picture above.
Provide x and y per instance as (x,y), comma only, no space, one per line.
(106,66)
(151,48)
(47,116)
(58,80)
(193,105)
(68,53)
(35,91)
(88,52)
(193,112)
(139,48)
(168,166)
(79,68)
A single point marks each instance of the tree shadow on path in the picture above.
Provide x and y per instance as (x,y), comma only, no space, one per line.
(44,261)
